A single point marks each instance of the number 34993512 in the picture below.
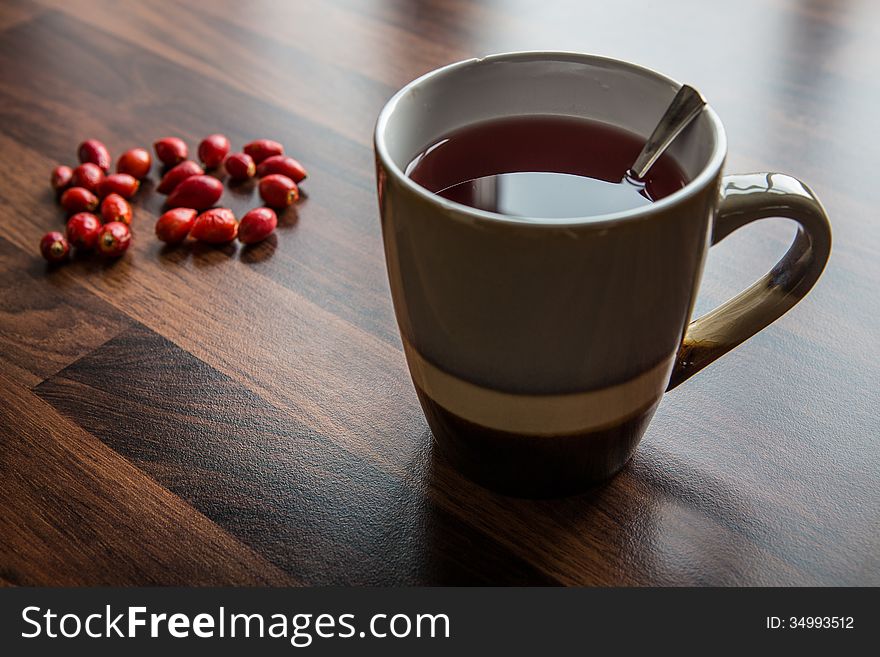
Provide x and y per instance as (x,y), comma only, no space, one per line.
(810,622)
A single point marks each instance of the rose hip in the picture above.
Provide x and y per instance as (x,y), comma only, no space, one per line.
(136,162)
(257,225)
(284,165)
(263,148)
(114,238)
(170,150)
(61,177)
(212,150)
(119,183)
(240,166)
(78,199)
(88,176)
(173,226)
(115,208)
(197,192)
(216,226)
(94,152)
(177,175)
(278,191)
(83,229)
(54,246)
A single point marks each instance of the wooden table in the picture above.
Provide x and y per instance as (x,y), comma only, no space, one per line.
(244,416)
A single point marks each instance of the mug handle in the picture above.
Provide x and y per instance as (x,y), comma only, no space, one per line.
(746,198)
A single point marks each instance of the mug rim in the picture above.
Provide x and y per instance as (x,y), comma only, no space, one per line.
(693,187)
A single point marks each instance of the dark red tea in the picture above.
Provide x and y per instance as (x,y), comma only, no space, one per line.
(543,167)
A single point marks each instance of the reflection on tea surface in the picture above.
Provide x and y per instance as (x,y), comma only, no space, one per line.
(547,195)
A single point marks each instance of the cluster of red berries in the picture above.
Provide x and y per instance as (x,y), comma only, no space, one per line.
(82,187)
(189,192)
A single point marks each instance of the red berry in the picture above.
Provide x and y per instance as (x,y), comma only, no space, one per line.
(263,148)
(286,166)
(83,229)
(197,192)
(177,175)
(173,226)
(216,226)
(78,199)
(94,152)
(54,246)
(240,166)
(115,208)
(170,150)
(213,150)
(61,177)
(257,225)
(135,162)
(114,238)
(278,191)
(87,175)
(119,183)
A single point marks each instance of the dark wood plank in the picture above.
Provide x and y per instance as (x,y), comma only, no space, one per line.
(47,321)
(75,512)
(313,509)
(344,102)
(761,470)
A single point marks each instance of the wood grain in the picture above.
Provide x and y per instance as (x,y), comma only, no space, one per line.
(313,509)
(260,396)
(46,321)
(76,513)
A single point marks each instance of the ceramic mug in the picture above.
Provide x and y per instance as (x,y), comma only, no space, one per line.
(540,349)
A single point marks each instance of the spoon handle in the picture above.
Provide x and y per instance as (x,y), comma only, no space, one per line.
(686,105)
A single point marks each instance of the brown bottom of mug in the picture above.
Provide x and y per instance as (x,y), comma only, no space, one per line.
(534,466)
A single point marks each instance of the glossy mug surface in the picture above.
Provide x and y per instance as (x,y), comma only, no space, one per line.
(541,347)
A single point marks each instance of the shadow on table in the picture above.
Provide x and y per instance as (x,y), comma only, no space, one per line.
(654,523)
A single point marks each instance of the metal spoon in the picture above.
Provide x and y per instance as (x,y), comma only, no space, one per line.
(683,109)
